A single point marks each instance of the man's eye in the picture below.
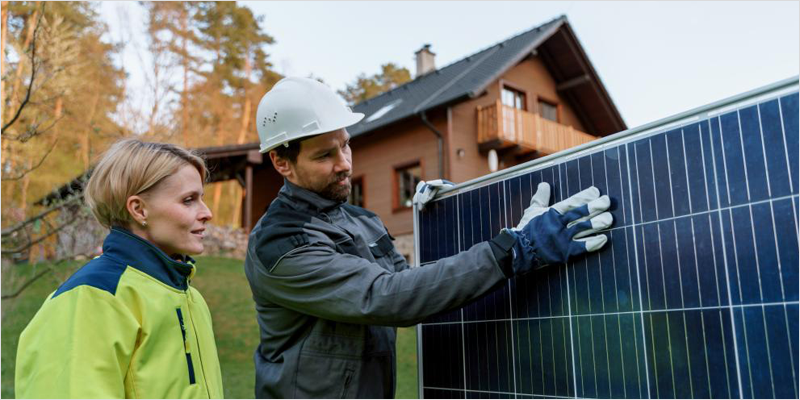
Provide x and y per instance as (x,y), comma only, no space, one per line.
(188,200)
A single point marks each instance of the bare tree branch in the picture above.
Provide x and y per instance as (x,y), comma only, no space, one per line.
(31,169)
(33,72)
(7,232)
(38,240)
(32,132)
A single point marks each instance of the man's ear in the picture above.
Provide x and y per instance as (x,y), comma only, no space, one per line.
(282,165)
(137,209)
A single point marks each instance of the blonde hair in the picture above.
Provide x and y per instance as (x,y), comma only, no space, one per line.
(131,167)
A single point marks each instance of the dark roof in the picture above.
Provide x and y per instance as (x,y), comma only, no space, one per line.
(467,78)
(223,163)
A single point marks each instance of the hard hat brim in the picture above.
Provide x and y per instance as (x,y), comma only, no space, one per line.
(278,140)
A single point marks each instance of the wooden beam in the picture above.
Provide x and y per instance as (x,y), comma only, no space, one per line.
(255,157)
(248,198)
(571,83)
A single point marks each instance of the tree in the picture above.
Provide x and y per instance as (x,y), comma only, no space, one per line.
(61,88)
(364,87)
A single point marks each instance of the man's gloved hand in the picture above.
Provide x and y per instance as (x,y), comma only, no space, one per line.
(551,235)
(427,190)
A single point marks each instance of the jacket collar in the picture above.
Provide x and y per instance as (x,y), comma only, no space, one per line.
(130,249)
(305,200)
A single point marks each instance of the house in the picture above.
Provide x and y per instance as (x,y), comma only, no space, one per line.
(528,96)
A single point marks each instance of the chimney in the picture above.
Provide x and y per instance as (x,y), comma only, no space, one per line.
(425,60)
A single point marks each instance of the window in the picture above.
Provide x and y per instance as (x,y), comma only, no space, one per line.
(548,110)
(356,197)
(406,180)
(513,98)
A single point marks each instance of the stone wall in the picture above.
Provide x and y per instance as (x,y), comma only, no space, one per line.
(225,242)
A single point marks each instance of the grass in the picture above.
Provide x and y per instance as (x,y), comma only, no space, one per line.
(224,286)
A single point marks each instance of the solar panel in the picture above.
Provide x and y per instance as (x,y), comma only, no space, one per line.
(694,296)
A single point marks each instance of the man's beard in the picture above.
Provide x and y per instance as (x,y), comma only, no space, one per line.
(336,192)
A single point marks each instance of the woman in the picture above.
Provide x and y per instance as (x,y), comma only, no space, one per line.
(127,324)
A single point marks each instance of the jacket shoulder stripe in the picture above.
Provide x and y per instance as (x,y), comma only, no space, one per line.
(101,273)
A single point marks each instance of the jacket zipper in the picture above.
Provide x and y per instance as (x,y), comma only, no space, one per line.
(189,363)
(199,353)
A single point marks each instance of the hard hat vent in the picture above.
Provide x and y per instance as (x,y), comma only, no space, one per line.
(270,119)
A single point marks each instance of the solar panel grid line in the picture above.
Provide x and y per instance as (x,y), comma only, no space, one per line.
(624,313)
(661,257)
(761,293)
(697,278)
(616,297)
(602,289)
(511,309)
(558,197)
(785,147)
(725,264)
(636,261)
(744,154)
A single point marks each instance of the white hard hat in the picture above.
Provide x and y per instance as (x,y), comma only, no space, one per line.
(297,108)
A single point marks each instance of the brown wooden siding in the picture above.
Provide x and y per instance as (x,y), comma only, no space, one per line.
(376,155)
(530,76)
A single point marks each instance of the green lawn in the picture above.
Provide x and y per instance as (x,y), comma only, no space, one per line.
(224,286)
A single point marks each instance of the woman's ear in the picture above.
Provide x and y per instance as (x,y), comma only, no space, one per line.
(137,208)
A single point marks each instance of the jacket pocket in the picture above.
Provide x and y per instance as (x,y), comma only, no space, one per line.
(348,378)
(189,363)
(325,376)
(382,246)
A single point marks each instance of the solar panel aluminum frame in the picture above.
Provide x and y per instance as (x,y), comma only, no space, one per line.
(717,108)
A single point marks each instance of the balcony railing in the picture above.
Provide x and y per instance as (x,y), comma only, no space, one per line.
(501,126)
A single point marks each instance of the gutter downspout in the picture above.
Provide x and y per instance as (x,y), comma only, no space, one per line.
(439,142)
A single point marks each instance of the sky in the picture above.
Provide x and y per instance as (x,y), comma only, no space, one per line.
(656,59)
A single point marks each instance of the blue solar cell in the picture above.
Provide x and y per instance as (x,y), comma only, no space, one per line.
(661,177)
(753,154)
(775,147)
(733,160)
(695,296)
(678,175)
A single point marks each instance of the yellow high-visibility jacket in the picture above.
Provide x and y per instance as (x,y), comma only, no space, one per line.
(127,324)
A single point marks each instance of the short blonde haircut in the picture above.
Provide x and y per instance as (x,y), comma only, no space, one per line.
(132,167)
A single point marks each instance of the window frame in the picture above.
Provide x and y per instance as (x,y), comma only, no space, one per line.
(361,179)
(396,206)
(550,102)
(505,85)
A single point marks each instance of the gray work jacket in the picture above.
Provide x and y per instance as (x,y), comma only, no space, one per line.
(330,288)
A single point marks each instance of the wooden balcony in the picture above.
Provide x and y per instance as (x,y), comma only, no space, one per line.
(501,127)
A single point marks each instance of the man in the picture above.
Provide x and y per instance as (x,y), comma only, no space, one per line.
(329,286)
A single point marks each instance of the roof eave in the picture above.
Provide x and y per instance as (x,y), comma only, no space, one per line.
(521,56)
(596,81)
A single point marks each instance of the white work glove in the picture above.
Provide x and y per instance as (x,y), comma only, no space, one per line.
(425,191)
(548,235)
